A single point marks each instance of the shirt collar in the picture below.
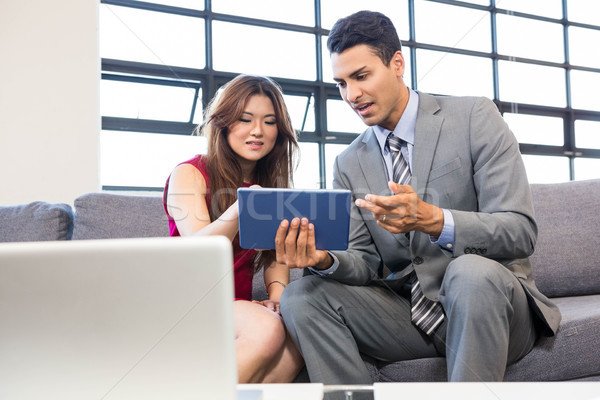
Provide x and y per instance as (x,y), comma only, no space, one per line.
(405,129)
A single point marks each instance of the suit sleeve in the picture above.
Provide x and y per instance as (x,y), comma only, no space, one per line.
(503,225)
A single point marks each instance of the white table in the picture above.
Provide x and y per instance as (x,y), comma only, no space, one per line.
(489,391)
(428,390)
(276,391)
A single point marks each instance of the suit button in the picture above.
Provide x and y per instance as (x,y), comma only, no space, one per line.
(418,260)
(467,250)
(478,251)
(483,251)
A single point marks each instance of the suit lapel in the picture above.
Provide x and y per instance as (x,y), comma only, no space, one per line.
(371,164)
(427,132)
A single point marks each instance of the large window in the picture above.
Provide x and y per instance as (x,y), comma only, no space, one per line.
(162,61)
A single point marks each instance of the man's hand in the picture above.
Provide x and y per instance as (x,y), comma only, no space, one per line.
(296,247)
(404,211)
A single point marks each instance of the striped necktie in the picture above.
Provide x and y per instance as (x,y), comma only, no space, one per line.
(401,171)
(425,314)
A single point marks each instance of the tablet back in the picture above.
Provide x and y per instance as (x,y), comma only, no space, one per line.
(117,319)
(261,210)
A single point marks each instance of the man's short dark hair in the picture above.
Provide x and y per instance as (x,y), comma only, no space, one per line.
(365,27)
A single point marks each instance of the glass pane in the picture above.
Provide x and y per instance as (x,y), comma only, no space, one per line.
(531,84)
(302,112)
(397,11)
(546,169)
(145,101)
(123,164)
(528,38)
(341,118)
(299,12)
(587,134)
(587,168)
(585,11)
(199,113)
(546,8)
(581,43)
(585,87)
(327,73)
(452,26)
(306,176)
(454,74)
(331,152)
(191,4)
(536,129)
(151,37)
(260,51)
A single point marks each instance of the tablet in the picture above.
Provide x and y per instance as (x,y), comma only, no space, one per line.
(261,210)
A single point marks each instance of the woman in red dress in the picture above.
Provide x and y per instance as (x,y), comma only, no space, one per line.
(251,141)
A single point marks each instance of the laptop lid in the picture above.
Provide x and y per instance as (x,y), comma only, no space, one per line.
(117,319)
(261,210)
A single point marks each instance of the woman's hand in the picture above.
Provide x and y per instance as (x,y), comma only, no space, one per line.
(270,304)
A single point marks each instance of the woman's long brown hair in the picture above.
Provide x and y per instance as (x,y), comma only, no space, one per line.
(224,171)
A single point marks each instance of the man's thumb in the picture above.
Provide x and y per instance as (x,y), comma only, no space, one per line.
(397,188)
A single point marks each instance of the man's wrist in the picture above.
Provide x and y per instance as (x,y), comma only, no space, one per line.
(446,238)
(436,225)
(325,263)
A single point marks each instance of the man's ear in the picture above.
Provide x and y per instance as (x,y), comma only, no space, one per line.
(397,63)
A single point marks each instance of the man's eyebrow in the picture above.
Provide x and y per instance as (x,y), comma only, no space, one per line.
(358,71)
(353,74)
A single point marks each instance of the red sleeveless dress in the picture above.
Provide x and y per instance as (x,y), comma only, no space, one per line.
(242,258)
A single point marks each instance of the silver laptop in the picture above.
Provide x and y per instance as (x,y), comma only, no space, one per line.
(117,319)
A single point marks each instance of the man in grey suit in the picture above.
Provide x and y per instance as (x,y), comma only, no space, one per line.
(458,228)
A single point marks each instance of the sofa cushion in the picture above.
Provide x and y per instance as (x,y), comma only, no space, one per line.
(106,215)
(575,350)
(566,261)
(419,370)
(572,354)
(37,221)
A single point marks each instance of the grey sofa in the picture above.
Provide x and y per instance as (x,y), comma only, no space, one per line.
(566,266)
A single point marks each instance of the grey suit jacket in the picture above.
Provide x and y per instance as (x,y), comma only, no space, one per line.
(466,160)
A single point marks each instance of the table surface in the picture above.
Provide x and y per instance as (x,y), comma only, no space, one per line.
(490,390)
(447,391)
(277,391)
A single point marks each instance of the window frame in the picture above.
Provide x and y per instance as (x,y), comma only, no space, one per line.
(209,80)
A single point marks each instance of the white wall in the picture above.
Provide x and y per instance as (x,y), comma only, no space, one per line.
(49,102)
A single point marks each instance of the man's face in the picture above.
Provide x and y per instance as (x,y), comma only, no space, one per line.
(370,87)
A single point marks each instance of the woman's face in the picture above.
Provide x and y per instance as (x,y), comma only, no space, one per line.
(253,136)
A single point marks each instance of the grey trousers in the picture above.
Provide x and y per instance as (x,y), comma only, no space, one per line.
(488,324)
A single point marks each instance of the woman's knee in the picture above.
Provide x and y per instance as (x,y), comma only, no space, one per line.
(263,332)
